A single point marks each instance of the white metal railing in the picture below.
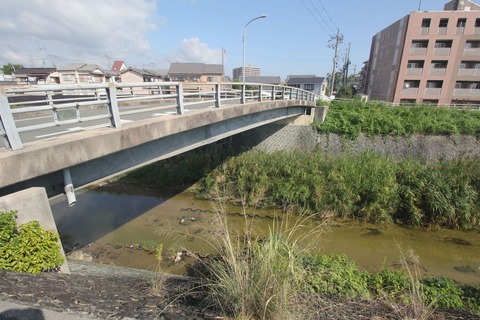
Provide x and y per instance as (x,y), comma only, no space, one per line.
(66,104)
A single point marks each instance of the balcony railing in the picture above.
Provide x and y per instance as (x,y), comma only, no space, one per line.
(442,30)
(437,71)
(471,52)
(414,71)
(469,72)
(476,30)
(433,91)
(460,30)
(410,91)
(461,92)
(418,51)
(442,51)
(425,30)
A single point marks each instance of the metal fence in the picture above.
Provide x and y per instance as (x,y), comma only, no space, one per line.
(59,105)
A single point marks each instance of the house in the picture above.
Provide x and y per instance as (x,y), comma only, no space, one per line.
(312,83)
(428,57)
(35,76)
(118,66)
(82,73)
(142,75)
(195,72)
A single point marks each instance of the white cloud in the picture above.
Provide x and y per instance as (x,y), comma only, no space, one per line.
(192,50)
(75,30)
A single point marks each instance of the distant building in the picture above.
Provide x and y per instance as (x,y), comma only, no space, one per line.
(195,72)
(82,73)
(312,83)
(428,57)
(249,72)
(35,76)
(143,75)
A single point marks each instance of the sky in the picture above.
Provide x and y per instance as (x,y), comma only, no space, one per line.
(294,38)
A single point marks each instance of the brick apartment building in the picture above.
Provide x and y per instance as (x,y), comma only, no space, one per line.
(428,57)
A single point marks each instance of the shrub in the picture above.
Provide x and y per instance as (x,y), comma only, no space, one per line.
(27,248)
(443,292)
(334,275)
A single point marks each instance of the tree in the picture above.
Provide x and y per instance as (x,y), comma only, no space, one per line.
(347,91)
(338,82)
(11,68)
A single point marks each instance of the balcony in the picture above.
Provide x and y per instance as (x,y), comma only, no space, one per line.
(433,91)
(460,30)
(471,52)
(425,30)
(438,71)
(414,71)
(410,91)
(476,30)
(460,92)
(469,72)
(442,30)
(442,51)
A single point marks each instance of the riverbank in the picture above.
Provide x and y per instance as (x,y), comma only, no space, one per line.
(110,292)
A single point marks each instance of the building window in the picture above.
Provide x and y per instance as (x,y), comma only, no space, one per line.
(425,25)
(309,87)
(415,64)
(477,23)
(408,101)
(434,84)
(439,64)
(443,23)
(461,23)
(433,102)
(212,79)
(443,44)
(472,44)
(419,43)
(411,84)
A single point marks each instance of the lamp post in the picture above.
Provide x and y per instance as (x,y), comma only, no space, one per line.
(244,36)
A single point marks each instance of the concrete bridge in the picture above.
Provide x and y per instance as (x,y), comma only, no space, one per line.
(62,137)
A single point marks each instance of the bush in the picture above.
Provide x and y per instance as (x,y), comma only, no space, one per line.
(443,292)
(27,248)
(335,275)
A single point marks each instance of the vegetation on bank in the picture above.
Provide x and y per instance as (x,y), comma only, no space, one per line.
(368,187)
(27,248)
(280,275)
(350,118)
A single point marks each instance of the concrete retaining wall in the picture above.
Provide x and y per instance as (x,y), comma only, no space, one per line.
(276,137)
(32,204)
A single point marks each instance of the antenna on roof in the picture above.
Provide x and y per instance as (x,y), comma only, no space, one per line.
(108,58)
(419,5)
(42,49)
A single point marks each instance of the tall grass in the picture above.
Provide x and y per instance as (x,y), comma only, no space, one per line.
(368,186)
(254,276)
(350,118)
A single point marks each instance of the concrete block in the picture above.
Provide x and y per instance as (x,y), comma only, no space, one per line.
(32,204)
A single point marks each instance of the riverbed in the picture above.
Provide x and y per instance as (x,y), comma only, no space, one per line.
(122,226)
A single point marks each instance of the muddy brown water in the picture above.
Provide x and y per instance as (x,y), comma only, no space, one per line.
(111,225)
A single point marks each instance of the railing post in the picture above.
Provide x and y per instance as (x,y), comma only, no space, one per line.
(7,124)
(242,100)
(273,92)
(283,93)
(113,105)
(180,107)
(260,98)
(218,94)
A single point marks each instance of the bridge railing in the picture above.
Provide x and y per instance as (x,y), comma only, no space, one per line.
(26,109)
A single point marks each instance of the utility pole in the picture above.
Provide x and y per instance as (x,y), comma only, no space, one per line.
(42,49)
(347,64)
(338,39)
(419,5)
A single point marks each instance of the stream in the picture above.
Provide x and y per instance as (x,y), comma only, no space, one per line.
(112,226)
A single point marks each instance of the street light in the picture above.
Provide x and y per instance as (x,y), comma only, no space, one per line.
(244,35)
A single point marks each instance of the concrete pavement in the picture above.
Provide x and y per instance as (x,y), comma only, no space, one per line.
(14,311)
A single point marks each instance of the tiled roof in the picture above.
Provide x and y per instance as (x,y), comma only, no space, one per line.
(263,79)
(305,80)
(34,71)
(180,68)
(71,67)
(117,65)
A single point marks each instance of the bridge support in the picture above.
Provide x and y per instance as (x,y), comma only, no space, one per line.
(7,124)
(69,189)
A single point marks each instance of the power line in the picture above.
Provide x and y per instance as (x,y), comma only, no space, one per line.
(323,19)
(314,17)
(328,15)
